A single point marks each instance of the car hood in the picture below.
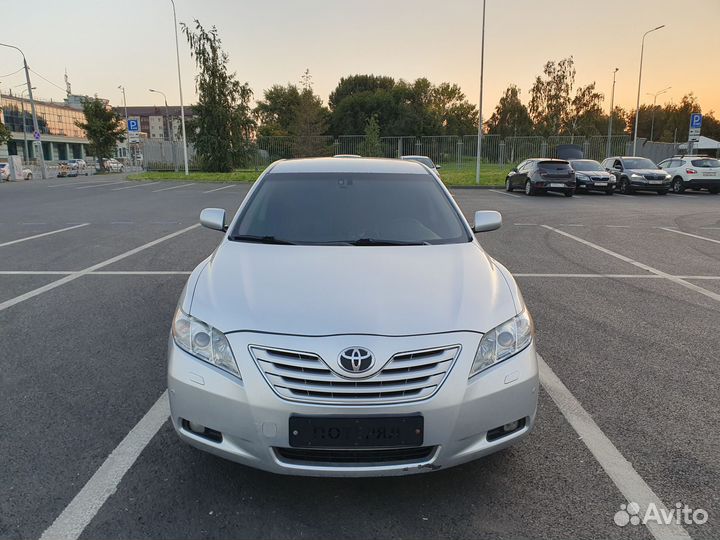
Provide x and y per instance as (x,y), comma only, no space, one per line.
(603,174)
(324,290)
(646,171)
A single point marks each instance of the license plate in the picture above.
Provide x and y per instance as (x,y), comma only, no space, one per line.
(601,184)
(710,174)
(555,184)
(655,181)
(346,432)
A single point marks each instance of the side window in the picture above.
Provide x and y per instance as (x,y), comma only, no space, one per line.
(665,164)
(522,164)
(617,164)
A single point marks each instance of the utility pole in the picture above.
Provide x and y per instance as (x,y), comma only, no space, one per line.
(36,129)
(127,126)
(182,107)
(637,106)
(25,144)
(612,107)
(480,122)
(652,123)
(169,127)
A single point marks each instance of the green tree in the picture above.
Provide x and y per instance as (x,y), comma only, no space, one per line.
(4,134)
(586,116)
(103,127)
(455,113)
(372,147)
(222,120)
(276,111)
(550,97)
(356,84)
(511,117)
(309,122)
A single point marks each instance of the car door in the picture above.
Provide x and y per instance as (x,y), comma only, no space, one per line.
(513,174)
(617,168)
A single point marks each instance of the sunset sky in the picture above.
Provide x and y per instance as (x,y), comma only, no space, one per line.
(106,43)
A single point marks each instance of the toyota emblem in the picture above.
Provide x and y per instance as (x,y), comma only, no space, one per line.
(356,360)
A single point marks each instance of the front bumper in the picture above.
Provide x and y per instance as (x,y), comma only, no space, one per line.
(647,186)
(254,420)
(602,185)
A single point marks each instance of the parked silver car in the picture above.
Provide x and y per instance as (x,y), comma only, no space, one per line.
(350,324)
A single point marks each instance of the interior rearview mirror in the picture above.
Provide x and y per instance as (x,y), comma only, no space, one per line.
(213,218)
(487,220)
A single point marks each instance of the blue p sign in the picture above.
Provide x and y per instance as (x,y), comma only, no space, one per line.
(695,120)
(133,125)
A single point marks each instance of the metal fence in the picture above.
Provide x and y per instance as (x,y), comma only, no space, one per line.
(447,150)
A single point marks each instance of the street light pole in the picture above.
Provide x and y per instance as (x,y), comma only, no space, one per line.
(612,106)
(637,106)
(182,107)
(167,123)
(36,129)
(652,123)
(25,145)
(480,122)
(127,125)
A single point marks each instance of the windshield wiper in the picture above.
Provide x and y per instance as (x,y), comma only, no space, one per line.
(260,239)
(381,242)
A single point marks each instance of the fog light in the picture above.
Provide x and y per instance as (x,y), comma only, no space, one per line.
(198,428)
(202,431)
(507,428)
(504,430)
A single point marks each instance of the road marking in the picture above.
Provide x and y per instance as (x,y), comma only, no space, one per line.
(571,225)
(629,276)
(31,223)
(218,189)
(619,226)
(105,184)
(526,224)
(710,228)
(173,187)
(121,222)
(70,524)
(136,186)
(504,193)
(619,469)
(97,273)
(76,183)
(42,234)
(674,279)
(67,279)
(692,235)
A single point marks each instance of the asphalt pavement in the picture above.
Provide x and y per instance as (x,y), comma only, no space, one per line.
(625,292)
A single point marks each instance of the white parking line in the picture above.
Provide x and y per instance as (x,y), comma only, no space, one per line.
(97,273)
(674,279)
(504,193)
(67,279)
(218,189)
(76,183)
(42,234)
(710,228)
(619,226)
(136,186)
(619,469)
(173,187)
(526,224)
(692,235)
(70,524)
(105,184)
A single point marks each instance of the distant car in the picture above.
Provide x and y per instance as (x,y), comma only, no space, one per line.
(590,175)
(538,175)
(637,173)
(109,165)
(4,172)
(77,167)
(346,156)
(424,160)
(63,169)
(693,172)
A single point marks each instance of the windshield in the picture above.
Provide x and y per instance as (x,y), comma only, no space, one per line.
(421,159)
(355,209)
(586,165)
(638,163)
(702,163)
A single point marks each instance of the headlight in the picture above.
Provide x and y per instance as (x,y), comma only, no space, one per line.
(579,176)
(637,176)
(668,176)
(203,341)
(503,341)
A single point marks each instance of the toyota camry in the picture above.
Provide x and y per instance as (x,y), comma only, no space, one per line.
(350,324)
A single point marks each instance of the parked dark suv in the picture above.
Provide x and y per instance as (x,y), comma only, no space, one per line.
(637,173)
(540,175)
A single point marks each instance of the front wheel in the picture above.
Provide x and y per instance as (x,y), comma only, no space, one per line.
(677,185)
(529,190)
(609,192)
(29,177)
(625,186)
(508,185)
(714,190)
(569,193)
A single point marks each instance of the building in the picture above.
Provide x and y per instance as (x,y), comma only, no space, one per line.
(153,121)
(61,139)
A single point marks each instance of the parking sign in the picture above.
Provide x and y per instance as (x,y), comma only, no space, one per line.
(133,125)
(696,120)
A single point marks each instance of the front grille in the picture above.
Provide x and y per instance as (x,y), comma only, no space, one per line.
(356,457)
(407,376)
(654,177)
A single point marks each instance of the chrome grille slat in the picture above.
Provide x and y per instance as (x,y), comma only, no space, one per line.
(303,376)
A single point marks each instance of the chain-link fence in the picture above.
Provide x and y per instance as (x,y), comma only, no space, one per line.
(446,150)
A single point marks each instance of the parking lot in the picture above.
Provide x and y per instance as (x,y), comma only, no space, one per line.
(625,292)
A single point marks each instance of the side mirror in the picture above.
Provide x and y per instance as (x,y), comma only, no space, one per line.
(514,169)
(213,218)
(438,167)
(487,220)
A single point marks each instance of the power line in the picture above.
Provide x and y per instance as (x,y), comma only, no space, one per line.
(46,80)
(10,74)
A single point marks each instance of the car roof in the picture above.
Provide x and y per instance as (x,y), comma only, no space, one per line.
(357,165)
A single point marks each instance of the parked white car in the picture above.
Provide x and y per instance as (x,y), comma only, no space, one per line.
(109,165)
(394,345)
(27,174)
(693,172)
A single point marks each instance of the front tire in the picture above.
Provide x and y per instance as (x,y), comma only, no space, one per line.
(625,188)
(609,191)
(508,185)
(714,190)
(677,185)
(529,190)
(569,193)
